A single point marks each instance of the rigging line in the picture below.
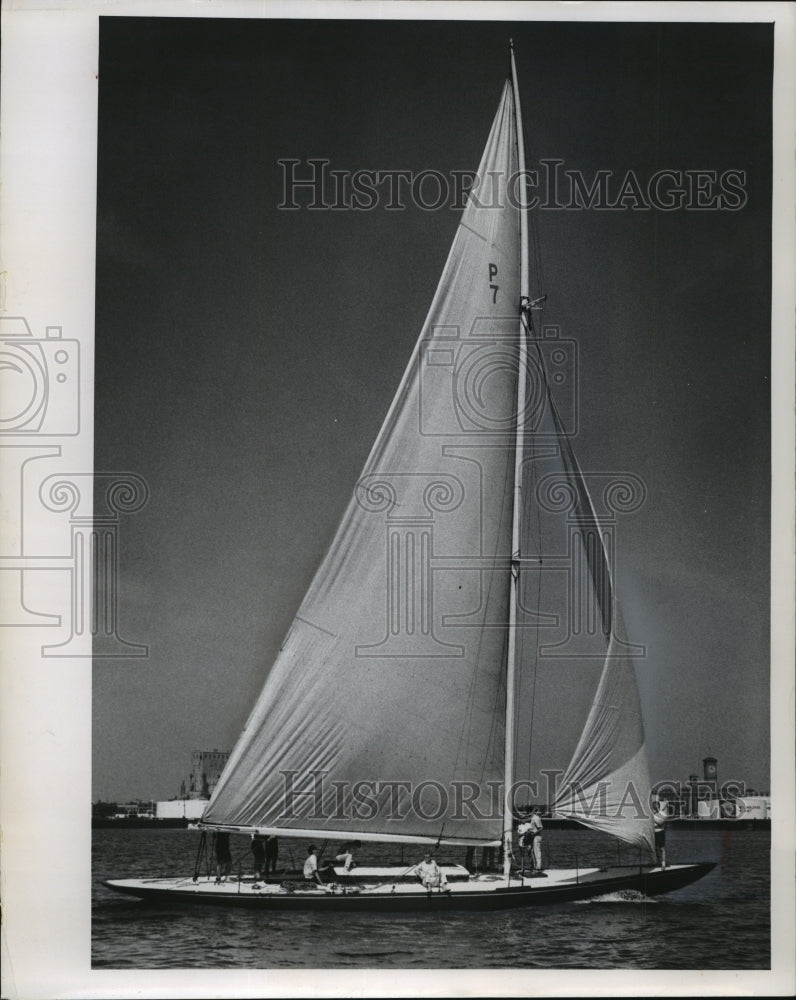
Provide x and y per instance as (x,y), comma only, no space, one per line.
(527,322)
(199,854)
(534,513)
(532,719)
(500,698)
(522,637)
(505,639)
(521,586)
(526,318)
(537,254)
(533,227)
(602,578)
(519,623)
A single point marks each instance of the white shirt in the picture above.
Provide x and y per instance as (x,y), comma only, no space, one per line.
(427,869)
(310,866)
(430,873)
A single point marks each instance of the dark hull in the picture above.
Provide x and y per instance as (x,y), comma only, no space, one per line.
(649,882)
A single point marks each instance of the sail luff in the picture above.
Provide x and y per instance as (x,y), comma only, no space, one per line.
(511,659)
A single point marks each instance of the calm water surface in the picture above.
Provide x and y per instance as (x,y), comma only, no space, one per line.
(720,922)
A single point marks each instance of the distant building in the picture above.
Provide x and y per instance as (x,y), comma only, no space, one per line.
(704,798)
(190,809)
(753,807)
(196,789)
(710,770)
(139,809)
(206,768)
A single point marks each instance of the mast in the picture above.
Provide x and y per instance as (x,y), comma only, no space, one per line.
(511,664)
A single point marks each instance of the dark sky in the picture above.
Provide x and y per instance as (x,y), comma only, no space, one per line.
(246,356)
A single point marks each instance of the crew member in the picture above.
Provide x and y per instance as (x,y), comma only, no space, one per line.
(430,874)
(532,839)
(659,818)
(311,866)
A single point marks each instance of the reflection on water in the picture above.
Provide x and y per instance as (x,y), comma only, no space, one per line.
(720,922)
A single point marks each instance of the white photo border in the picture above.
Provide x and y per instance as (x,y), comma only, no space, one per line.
(48,160)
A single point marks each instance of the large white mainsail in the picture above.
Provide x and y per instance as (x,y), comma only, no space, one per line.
(383,715)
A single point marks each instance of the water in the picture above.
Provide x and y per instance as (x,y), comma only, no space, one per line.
(720,922)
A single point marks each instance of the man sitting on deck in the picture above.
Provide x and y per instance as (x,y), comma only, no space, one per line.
(311,866)
(430,874)
(314,874)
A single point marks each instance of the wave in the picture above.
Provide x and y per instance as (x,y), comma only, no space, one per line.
(621,896)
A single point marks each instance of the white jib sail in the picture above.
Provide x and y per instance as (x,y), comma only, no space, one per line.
(577,660)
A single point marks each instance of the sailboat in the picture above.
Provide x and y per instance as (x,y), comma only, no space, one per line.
(467,594)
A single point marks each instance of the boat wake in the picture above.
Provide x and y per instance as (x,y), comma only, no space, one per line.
(621,896)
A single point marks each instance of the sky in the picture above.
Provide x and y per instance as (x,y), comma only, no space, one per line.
(246,355)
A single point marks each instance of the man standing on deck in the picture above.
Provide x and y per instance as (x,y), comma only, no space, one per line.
(223,857)
(524,834)
(534,837)
(271,854)
(258,853)
(659,822)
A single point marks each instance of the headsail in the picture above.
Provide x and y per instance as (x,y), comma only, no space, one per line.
(383,715)
(580,654)
(606,785)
